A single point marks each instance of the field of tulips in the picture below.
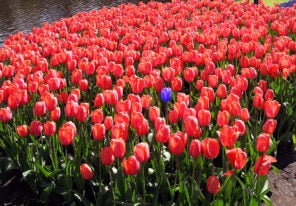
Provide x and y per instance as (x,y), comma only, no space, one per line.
(180,103)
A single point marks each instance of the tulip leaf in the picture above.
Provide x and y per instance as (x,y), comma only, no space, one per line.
(46,192)
(217,203)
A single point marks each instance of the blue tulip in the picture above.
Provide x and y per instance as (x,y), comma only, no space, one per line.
(166,94)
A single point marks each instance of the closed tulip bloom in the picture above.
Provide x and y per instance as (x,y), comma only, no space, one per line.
(213,184)
(177,143)
(49,128)
(177,84)
(144,128)
(120,131)
(195,148)
(86,172)
(228,135)
(5,114)
(202,103)
(39,109)
(192,127)
(244,115)
(210,147)
(67,133)
(107,156)
(237,157)
(108,122)
(51,102)
(163,134)
(208,92)
(262,164)
(269,94)
(118,147)
(258,101)
(83,85)
(240,125)
(137,85)
(36,128)
(98,131)
(137,119)
(223,118)
(82,112)
(166,94)
(221,91)
(204,117)
(271,108)
(55,114)
(173,116)
(158,123)
(168,73)
(189,74)
(13,101)
(269,126)
(263,142)
(146,101)
(141,152)
(99,100)
(22,130)
(71,108)
(130,166)
(110,97)
(154,112)
(97,116)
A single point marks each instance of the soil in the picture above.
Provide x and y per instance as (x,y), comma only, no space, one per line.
(283,184)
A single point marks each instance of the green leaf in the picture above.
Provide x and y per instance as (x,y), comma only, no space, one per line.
(81,198)
(43,170)
(275,169)
(217,203)
(46,192)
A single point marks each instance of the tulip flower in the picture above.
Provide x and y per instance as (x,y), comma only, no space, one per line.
(166,94)
(228,135)
(86,172)
(262,164)
(271,108)
(22,130)
(107,156)
(117,147)
(269,126)
(210,148)
(263,142)
(36,128)
(195,148)
(49,128)
(67,133)
(213,184)
(141,152)
(130,166)
(98,131)
(237,157)
(177,143)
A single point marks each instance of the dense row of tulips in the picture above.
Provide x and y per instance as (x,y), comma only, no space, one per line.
(150,104)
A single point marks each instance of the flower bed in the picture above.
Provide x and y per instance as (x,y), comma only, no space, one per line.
(161,103)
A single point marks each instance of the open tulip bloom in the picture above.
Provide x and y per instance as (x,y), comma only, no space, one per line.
(159,103)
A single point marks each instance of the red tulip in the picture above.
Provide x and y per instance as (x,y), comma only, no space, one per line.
(204,117)
(36,128)
(13,101)
(190,74)
(158,123)
(99,100)
(244,115)
(82,112)
(107,156)
(262,164)
(98,131)
(141,152)
(110,97)
(108,122)
(55,114)
(240,126)
(263,142)
(168,73)
(177,143)
(213,184)
(191,126)
(83,85)
(124,106)
(86,172)
(67,133)
(49,128)
(269,126)
(131,165)
(228,135)
(5,114)
(173,116)
(51,102)
(202,103)
(195,148)
(22,130)
(137,85)
(237,157)
(199,84)
(118,147)
(154,113)
(163,134)
(208,92)
(71,108)
(258,101)
(223,118)
(269,94)
(271,108)
(97,116)
(146,101)
(210,147)
(177,84)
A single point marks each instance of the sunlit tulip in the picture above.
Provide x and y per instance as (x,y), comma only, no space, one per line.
(191,127)
(269,126)
(228,135)
(195,148)
(107,156)
(67,133)
(36,128)
(210,147)
(82,112)
(154,112)
(177,143)
(108,122)
(204,117)
(213,184)
(22,130)
(237,157)
(141,152)
(131,166)
(49,128)
(55,114)
(223,118)
(86,172)
(5,114)
(271,108)
(163,134)
(263,142)
(97,116)
(262,164)
(71,108)
(99,100)
(98,131)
